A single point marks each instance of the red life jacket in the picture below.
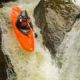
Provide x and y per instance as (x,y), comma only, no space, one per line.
(26,24)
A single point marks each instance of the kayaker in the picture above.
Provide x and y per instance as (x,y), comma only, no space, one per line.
(26,39)
(24,22)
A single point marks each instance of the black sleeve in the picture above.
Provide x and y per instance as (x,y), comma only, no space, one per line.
(18,24)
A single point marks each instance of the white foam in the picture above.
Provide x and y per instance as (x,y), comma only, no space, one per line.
(28,66)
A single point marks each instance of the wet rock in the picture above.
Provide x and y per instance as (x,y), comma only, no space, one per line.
(6,69)
(1,5)
(11,75)
(3,74)
(55,18)
(8,0)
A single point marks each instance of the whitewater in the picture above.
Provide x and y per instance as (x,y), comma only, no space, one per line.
(37,65)
(69,52)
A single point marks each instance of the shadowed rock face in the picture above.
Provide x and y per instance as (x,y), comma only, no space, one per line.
(8,0)
(6,68)
(3,74)
(11,75)
(55,18)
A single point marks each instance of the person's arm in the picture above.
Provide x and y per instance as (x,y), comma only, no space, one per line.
(31,25)
(29,21)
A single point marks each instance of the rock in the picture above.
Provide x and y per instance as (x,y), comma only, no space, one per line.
(6,69)
(55,18)
(11,75)
(3,74)
(8,0)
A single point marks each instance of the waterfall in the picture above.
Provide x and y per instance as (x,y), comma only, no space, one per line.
(68,53)
(28,66)
(76,2)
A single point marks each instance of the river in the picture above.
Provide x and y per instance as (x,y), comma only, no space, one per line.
(37,65)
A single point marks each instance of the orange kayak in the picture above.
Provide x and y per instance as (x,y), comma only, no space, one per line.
(26,41)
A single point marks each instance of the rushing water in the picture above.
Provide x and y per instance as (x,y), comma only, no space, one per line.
(69,52)
(38,65)
(28,66)
(76,2)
